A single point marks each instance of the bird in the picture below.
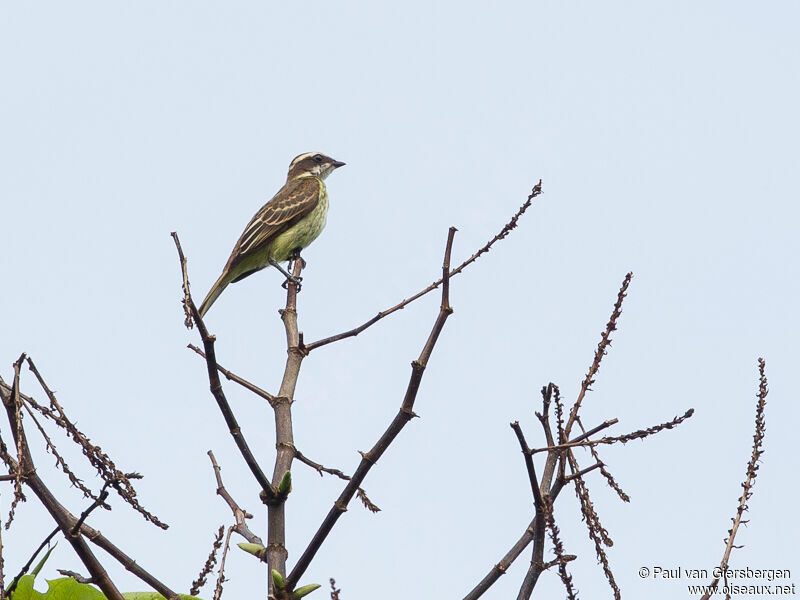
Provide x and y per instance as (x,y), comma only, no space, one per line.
(289,222)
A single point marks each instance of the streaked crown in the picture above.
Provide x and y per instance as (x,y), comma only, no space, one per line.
(312,164)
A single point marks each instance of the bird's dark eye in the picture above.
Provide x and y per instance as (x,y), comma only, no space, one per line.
(318,158)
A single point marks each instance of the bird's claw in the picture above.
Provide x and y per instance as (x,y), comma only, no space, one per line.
(292,279)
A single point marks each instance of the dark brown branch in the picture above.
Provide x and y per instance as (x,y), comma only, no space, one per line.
(404,415)
(100,501)
(236,379)
(213,377)
(130,565)
(582,472)
(28,564)
(526,453)
(752,471)
(507,228)
(318,467)
(501,567)
(602,348)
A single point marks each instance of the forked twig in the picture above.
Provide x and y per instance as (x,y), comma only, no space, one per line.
(404,415)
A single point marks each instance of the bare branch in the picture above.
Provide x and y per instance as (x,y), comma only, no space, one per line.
(624,439)
(752,470)
(597,533)
(507,228)
(239,514)
(318,467)
(404,415)
(235,378)
(558,549)
(501,567)
(221,575)
(602,348)
(526,453)
(198,583)
(605,472)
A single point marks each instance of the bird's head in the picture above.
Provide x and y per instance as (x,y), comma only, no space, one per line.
(312,164)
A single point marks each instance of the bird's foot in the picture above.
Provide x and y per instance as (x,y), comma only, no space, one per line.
(292,279)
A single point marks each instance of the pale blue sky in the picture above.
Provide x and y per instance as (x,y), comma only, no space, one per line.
(667,138)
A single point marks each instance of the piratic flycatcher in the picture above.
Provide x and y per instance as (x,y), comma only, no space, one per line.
(290,221)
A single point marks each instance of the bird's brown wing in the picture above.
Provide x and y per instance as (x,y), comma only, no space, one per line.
(293,201)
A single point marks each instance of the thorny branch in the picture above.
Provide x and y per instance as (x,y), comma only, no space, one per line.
(198,583)
(602,349)
(752,470)
(338,473)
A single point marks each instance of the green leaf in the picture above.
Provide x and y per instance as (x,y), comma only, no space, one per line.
(256,550)
(277,580)
(306,590)
(285,486)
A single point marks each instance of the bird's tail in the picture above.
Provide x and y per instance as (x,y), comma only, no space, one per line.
(214,293)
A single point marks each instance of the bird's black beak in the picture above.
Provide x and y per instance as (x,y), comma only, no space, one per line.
(338,163)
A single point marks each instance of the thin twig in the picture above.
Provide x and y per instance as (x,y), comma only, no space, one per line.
(558,549)
(221,574)
(198,583)
(507,228)
(100,501)
(318,467)
(239,514)
(236,379)
(502,566)
(624,439)
(602,348)
(28,564)
(526,453)
(752,471)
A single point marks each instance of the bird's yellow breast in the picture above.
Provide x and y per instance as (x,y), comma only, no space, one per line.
(302,233)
